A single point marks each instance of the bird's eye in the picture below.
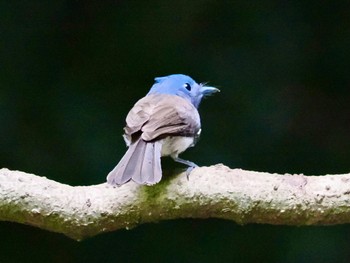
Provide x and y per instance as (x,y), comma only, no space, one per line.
(187,86)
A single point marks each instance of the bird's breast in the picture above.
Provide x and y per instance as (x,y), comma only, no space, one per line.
(174,145)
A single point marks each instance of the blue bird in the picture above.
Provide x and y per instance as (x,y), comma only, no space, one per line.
(163,123)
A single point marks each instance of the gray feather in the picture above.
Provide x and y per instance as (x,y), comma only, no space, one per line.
(152,167)
(159,114)
(157,169)
(141,163)
(124,171)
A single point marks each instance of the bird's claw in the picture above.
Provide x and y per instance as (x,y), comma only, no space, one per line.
(189,170)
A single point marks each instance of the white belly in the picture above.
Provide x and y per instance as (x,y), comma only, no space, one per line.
(175,145)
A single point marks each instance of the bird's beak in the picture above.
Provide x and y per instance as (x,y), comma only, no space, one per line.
(206,90)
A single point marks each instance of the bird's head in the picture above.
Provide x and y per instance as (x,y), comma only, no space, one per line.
(183,86)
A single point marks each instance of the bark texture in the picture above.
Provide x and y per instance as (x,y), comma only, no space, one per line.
(211,192)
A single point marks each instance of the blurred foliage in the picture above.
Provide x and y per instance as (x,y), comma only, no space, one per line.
(71,70)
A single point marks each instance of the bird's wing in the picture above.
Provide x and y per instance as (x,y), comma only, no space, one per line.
(159,115)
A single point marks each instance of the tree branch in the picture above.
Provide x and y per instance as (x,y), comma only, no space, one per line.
(211,192)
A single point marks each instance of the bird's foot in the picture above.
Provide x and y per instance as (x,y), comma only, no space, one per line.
(191,165)
(189,170)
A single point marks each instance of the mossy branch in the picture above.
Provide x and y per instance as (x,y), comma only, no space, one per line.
(211,192)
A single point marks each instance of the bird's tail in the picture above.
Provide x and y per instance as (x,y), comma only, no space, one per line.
(141,163)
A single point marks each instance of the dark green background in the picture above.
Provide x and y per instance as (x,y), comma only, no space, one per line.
(71,70)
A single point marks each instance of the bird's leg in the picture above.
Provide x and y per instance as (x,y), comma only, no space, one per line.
(191,165)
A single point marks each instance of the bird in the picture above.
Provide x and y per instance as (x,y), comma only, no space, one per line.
(163,123)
